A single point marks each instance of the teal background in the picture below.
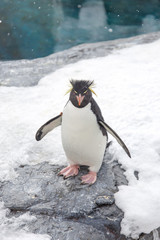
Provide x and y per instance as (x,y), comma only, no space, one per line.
(36,28)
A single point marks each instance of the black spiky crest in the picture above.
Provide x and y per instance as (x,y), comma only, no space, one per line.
(81,85)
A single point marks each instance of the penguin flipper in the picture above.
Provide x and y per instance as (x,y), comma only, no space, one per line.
(48,126)
(115,135)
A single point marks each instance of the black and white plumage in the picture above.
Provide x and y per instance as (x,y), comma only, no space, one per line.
(49,126)
(83,131)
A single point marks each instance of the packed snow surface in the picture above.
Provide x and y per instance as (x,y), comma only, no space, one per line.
(128,89)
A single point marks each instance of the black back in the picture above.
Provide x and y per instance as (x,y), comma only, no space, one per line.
(96,110)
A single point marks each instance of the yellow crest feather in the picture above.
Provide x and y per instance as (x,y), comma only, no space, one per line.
(92,91)
(90,88)
(69,90)
(90,85)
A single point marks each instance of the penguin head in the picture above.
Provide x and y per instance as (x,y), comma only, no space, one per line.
(80,92)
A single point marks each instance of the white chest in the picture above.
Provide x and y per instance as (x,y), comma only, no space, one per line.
(82,138)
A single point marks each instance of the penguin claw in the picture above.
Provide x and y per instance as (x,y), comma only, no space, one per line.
(69,171)
(89,178)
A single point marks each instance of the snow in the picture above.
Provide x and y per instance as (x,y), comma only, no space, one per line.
(9,227)
(128,89)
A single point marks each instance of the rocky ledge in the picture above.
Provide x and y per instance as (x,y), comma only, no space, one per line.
(66,209)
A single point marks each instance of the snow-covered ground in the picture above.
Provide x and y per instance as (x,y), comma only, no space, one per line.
(128,89)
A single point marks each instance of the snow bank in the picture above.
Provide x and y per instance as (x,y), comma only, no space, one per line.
(128,89)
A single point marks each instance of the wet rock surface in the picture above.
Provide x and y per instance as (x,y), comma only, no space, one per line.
(66,209)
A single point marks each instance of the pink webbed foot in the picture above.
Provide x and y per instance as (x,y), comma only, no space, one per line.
(69,171)
(89,178)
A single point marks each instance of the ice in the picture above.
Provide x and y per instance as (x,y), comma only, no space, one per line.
(87,16)
(83,29)
(150,24)
(128,89)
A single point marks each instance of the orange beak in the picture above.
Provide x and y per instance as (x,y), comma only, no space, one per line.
(79,99)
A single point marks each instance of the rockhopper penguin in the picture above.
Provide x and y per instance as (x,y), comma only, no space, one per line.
(83,131)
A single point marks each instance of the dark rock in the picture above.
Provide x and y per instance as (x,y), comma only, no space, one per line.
(104,200)
(136,174)
(66,209)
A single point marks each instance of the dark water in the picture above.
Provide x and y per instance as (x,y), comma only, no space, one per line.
(36,28)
